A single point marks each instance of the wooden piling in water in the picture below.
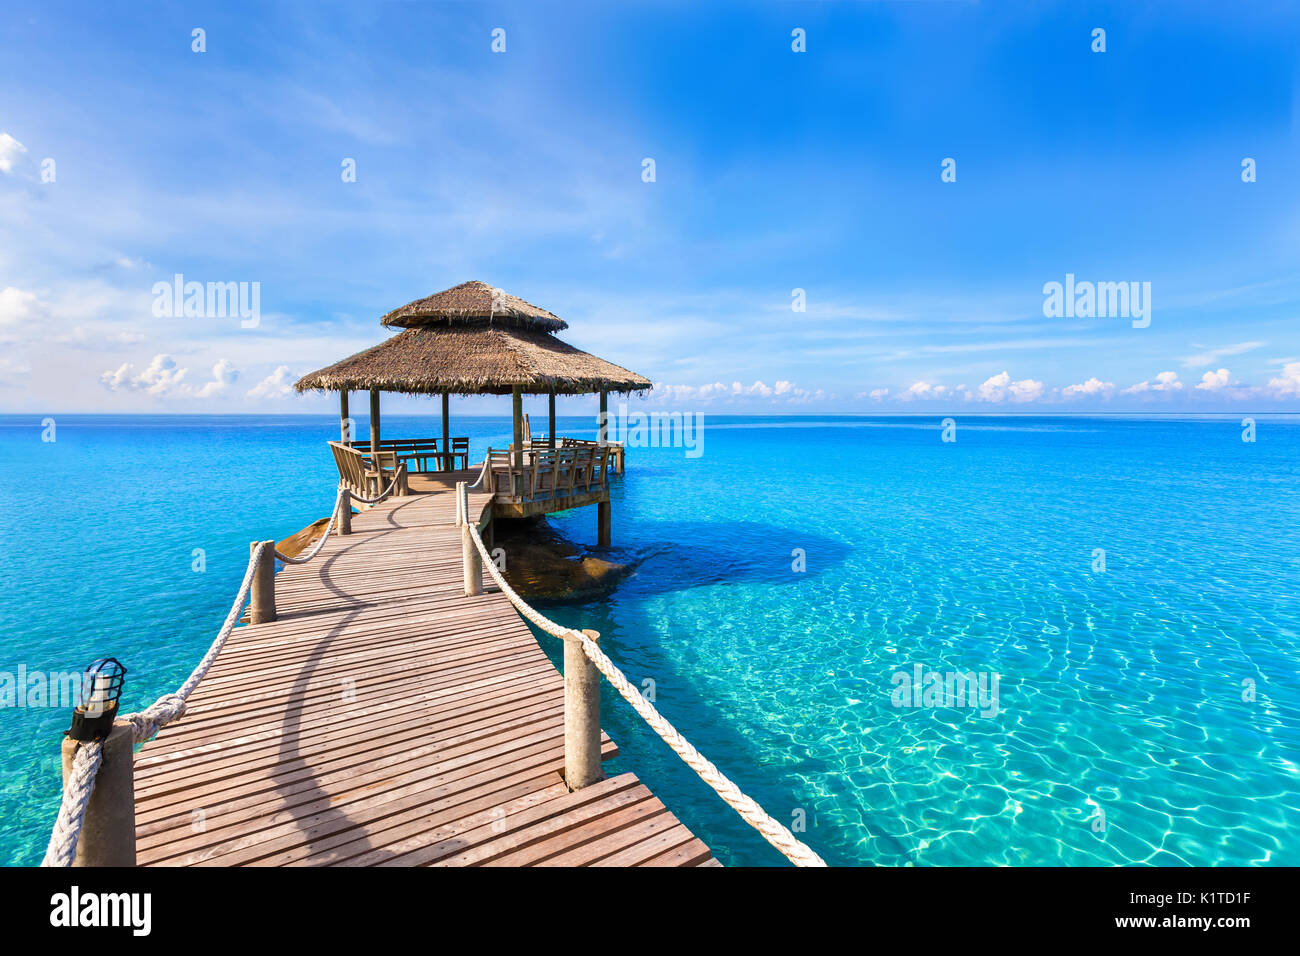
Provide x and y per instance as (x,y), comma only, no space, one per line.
(604,516)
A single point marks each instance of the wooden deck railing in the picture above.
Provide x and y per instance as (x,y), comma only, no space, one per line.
(543,473)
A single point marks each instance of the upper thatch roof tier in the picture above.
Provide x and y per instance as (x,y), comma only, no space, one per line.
(473,303)
(476,360)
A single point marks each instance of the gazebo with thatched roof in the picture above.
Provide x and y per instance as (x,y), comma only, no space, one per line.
(473,339)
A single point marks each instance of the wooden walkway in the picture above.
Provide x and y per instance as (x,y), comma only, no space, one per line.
(386,718)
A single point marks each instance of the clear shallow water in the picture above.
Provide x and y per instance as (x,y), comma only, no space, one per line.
(1120,690)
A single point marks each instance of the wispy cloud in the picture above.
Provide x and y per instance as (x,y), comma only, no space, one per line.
(11,151)
(1213,356)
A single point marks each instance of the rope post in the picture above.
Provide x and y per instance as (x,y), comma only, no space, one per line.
(470,558)
(108,830)
(262,607)
(345,511)
(581,716)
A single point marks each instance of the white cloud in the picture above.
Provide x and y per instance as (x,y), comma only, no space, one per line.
(782,391)
(1000,388)
(165,378)
(162,377)
(279,384)
(224,374)
(1288,384)
(925,390)
(1165,382)
(758,389)
(878,393)
(1214,381)
(1091,388)
(17,306)
(10,151)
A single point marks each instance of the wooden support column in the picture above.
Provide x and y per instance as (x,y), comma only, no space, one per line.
(581,716)
(374,425)
(550,437)
(446,432)
(262,602)
(603,515)
(517,410)
(602,421)
(345,512)
(108,831)
(343,416)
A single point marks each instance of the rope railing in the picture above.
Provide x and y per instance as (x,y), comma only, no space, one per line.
(798,852)
(88,757)
(374,501)
(483,473)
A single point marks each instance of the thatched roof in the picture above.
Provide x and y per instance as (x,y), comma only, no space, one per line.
(473,303)
(474,360)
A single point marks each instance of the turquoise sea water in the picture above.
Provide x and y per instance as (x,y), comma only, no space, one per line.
(1120,689)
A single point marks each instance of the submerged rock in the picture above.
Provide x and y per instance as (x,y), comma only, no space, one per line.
(542,563)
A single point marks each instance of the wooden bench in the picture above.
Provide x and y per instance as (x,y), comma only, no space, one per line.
(418,453)
(364,478)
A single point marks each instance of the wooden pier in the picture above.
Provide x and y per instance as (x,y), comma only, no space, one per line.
(381,706)
(387,718)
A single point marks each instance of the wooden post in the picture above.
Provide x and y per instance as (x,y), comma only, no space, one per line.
(550,437)
(374,426)
(345,512)
(446,432)
(343,416)
(581,716)
(517,403)
(108,832)
(471,560)
(602,420)
(262,607)
(604,514)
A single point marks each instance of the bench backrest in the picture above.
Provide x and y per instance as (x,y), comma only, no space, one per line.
(351,464)
(399,444)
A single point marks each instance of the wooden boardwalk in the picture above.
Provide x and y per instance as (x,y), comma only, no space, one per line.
(386,718)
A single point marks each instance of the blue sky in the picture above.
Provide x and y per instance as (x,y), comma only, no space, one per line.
(774,171)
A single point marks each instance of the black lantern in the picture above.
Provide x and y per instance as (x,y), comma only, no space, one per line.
(101,690)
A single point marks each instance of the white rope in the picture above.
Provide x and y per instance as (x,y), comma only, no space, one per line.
(483,473)
(799,853)
(374,501)
(304,558)
(72,811)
